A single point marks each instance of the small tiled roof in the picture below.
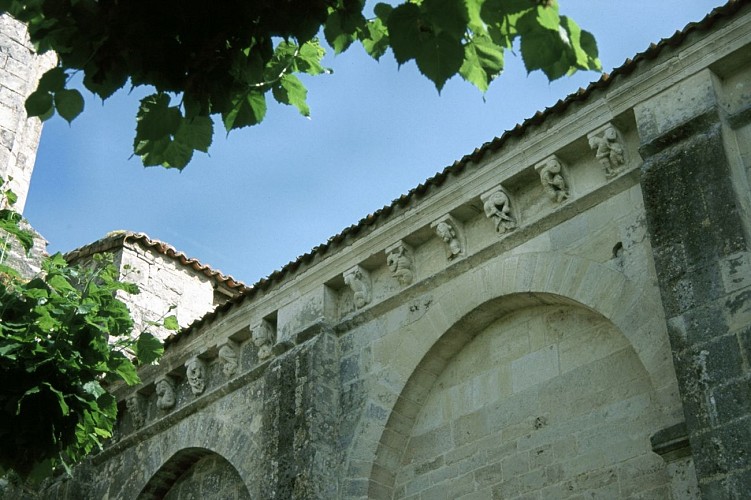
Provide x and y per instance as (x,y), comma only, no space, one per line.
(718,14)
(117,239)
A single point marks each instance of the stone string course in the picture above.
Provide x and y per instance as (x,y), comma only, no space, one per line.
(569,317)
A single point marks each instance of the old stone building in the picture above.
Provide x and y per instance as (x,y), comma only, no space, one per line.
(563,313)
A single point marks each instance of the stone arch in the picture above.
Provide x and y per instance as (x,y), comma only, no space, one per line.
(178,448)
(164,483)
(475,299)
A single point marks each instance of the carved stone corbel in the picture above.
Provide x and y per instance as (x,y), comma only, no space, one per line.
(195,371)
(228,357)
(551,176)
(399,258)
(608,145)
(497,206)
(358,279)
(135,407)
(165,393)
(451,232)
(264,336)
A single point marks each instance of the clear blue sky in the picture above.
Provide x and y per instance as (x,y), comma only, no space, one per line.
(265,195)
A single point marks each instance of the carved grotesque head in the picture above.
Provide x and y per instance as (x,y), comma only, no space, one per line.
(228,359)
(133,404)
(165,393)
(445,231)
(196,373)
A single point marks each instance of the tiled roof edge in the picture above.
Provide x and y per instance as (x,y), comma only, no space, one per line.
(118,239)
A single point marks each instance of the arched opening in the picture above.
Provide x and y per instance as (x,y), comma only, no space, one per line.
(195,473)
(529,394)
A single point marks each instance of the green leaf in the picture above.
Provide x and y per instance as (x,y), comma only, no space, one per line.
(447,16)
(60,284)
(11,225)
(148,348)
(291,91)
(547,16)
(440,58)
(94,388)
(53,80)
(156,119)
(383,11)
(176,155)
(404,32)
(170,323)
(64,408)
(102,82)
(309,58)
(375,38)
(340,29)
(483,61)
(123,367)
(69,103)
(196,133)
(39,103)
(247,109)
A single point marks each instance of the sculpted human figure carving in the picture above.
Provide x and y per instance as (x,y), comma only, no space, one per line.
(498,207)
(552,181)
(400,263)
(135,410)
(359,281)
(448,235)
(196,373)
(608,150)
(165,393)
(228,359)
(263,339)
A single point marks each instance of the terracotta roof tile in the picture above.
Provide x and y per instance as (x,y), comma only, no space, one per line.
(117,239)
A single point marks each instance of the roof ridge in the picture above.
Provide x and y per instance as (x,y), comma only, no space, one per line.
(117,238)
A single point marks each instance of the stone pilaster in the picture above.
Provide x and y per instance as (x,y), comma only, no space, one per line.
(701,253)
(300,419)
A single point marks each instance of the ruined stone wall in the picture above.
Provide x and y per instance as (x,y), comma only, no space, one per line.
(564,316)
(20,70)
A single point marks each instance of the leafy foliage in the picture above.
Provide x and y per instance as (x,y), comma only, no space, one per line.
(63,337)
(223,58)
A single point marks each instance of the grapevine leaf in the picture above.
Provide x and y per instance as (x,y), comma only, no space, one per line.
(383,11)
(404,32)
(440,58)
(123,367)
(69,103)
(64,408)
(291,91)
(170,323)
(105,83)
(39,103)
(448,16)
(375,38)
(53,80)
(148,348)
(309,58)
(176,155)
(247,109)
(156,119)
(196,133)
(483,61)
(340,29)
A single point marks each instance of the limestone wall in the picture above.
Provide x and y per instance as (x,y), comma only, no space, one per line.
(20,70)
(167,288)
(564,315)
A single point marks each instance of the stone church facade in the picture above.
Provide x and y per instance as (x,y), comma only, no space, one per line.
(563,313)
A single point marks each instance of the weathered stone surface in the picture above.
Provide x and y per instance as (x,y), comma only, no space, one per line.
(599,347)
